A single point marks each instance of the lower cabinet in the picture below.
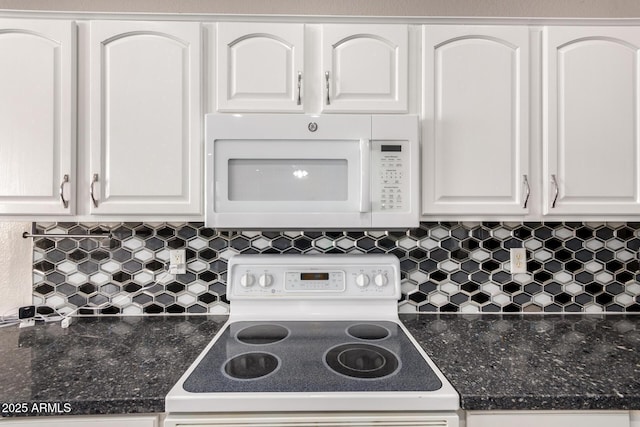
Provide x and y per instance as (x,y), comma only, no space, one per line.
(86,421)
(467,419)
(548,419)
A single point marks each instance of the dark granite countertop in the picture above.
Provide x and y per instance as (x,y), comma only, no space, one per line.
(115,365)
(535,361)
(108,365)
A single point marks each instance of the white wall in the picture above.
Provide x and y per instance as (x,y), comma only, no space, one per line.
(497,8)
(16,259)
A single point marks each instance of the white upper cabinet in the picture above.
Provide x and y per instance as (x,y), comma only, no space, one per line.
(145,118)
(260,66)
(364,68)
(591,107)
(37,116)
(475,131)
(270,67)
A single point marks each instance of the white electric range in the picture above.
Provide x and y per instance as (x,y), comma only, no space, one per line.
(313,340)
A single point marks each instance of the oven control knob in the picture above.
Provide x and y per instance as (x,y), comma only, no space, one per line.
(246,280)
(362,280)
(265,280)
(380,280)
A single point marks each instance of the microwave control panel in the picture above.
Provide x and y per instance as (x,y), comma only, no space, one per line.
(390,176)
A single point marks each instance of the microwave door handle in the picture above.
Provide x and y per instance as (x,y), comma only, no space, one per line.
(365,175)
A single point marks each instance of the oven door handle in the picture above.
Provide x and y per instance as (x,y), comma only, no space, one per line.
(365,175)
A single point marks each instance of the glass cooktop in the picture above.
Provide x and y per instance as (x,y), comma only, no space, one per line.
(312,356)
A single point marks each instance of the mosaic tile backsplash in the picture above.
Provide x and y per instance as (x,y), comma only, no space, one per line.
(446,267)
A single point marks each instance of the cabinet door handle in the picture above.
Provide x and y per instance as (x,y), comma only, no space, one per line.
(527,190)
(299,88)
(65,180)
(326,77)
(556,190)
(93,182)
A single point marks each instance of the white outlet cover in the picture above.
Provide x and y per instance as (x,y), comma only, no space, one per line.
(518,260)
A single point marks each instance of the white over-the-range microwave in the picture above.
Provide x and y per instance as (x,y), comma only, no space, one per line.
(292,171)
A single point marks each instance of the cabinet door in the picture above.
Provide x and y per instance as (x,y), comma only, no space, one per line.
(260,67)
(591,144)
(37,116)
(84,421)
(145,122)
(364,68)
(476,120)
(548,419)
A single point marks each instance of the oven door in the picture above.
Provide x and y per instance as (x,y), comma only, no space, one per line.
(264,175)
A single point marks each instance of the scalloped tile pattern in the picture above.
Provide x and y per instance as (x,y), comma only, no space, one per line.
(446,266)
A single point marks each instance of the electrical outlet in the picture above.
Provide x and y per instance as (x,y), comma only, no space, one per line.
(177,261)
(518,260)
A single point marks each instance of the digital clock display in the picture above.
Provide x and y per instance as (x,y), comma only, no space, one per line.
(385,148)
(314,276)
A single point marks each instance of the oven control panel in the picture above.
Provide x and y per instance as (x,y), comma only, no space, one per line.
(316,281)
(258,280)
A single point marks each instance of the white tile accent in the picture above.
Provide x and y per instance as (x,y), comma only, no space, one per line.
(143,255)
(77,278)
(196,288)
(563,233)
(563,277)
(143,278)
(198,266)
(438,299)
(197,243)
(99,278)
(594,267)
(133,243)
(450,265)
(480,255)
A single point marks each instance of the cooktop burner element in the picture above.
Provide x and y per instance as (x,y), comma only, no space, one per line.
(363,361)
(262,334)
(250,366)
(368,332)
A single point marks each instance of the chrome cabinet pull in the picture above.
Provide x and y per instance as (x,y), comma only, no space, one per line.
(299,88)
(93,182)
(527,190)
(556,190)
(65,180)
(326,77)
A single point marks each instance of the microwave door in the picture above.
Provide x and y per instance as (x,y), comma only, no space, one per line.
(291,183)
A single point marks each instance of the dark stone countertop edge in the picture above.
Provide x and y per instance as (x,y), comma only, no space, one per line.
(549,403)
(136,405)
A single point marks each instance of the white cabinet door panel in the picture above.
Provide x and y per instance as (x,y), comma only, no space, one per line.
(258,66)
(591,140)
(85,421)
(476,115)
(145,120)
(548,419)
(37,116)
(364,68)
